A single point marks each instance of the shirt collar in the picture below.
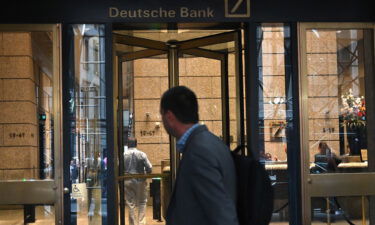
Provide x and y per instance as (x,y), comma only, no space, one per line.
(182,141)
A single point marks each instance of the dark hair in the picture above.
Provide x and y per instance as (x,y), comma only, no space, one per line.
(182,102)
(132,142)
(324,147)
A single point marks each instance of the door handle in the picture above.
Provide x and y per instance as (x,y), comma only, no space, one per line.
(66,190)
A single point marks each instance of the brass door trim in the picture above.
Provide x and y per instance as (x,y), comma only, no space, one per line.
(28,192)
(342,184)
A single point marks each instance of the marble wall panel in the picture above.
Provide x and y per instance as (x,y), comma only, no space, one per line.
(311,129)
(46,84)
(19,90)
(216,127)
(277,150)
(18,157)
(232,86)
(275,33)
(209,109)
(147,132)
(145,87)
(273,44)
(20,135)
(231,64)
(18,112)
(47,122)
(274,111)
(216,87)
(150,67)
(1,134)
(274,86)
(323,85)
(233,131)
(319,41)
(182,70)
(201,86)
(324,129)
(273,64)
(315,34)
(323,108)
(199,66)
(274,60)
(273,70)
(1,44)
(142,107)
(232,109)
(45,102)
(164,85)
(17,43)
(321,64)
(155,153)
(313,148)
(16,67)
(1,89)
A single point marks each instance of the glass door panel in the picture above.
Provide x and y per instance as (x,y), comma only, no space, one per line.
(29,122)
(337,108)
(275,113)
(87,125)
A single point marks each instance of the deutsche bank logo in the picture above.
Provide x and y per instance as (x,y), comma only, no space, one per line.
(237,8)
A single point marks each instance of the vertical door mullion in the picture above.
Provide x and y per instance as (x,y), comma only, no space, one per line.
(120,128)
(67,85)
(293,126)
(252,90)
(225,100)
(173,73)
(239,89)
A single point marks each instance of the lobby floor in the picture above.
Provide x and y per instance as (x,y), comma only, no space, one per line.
(45,216)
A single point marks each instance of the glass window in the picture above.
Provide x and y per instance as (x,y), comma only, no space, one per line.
(88,145)
(337,64)
(273,70)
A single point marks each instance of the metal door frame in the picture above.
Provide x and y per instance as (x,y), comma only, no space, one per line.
(333,184)
(48,191)
(173,50)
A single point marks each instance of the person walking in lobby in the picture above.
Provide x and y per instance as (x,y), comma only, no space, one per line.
(136,162)
(205,187)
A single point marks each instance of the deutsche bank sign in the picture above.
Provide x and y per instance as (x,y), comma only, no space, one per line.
(230,9)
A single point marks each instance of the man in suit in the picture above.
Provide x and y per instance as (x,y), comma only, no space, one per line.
(205,187)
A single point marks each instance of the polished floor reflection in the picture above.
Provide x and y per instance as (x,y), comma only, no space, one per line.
(44,215)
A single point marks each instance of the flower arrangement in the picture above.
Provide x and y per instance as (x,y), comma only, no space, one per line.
(353,111)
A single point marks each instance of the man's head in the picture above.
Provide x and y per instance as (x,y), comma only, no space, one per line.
(179,110)
(132,142)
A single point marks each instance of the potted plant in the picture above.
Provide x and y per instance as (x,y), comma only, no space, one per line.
(353,117)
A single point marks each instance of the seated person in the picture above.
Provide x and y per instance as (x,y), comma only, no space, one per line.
(325,160)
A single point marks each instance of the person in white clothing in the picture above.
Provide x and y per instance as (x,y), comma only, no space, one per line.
(136,162)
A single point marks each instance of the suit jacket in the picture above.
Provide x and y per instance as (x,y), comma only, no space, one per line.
(205,188)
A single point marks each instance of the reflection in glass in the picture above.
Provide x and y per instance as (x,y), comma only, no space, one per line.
(26,106)
(88,165)
(274,70)
(336,97)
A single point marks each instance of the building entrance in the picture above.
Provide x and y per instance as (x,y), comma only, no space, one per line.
(148,62)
